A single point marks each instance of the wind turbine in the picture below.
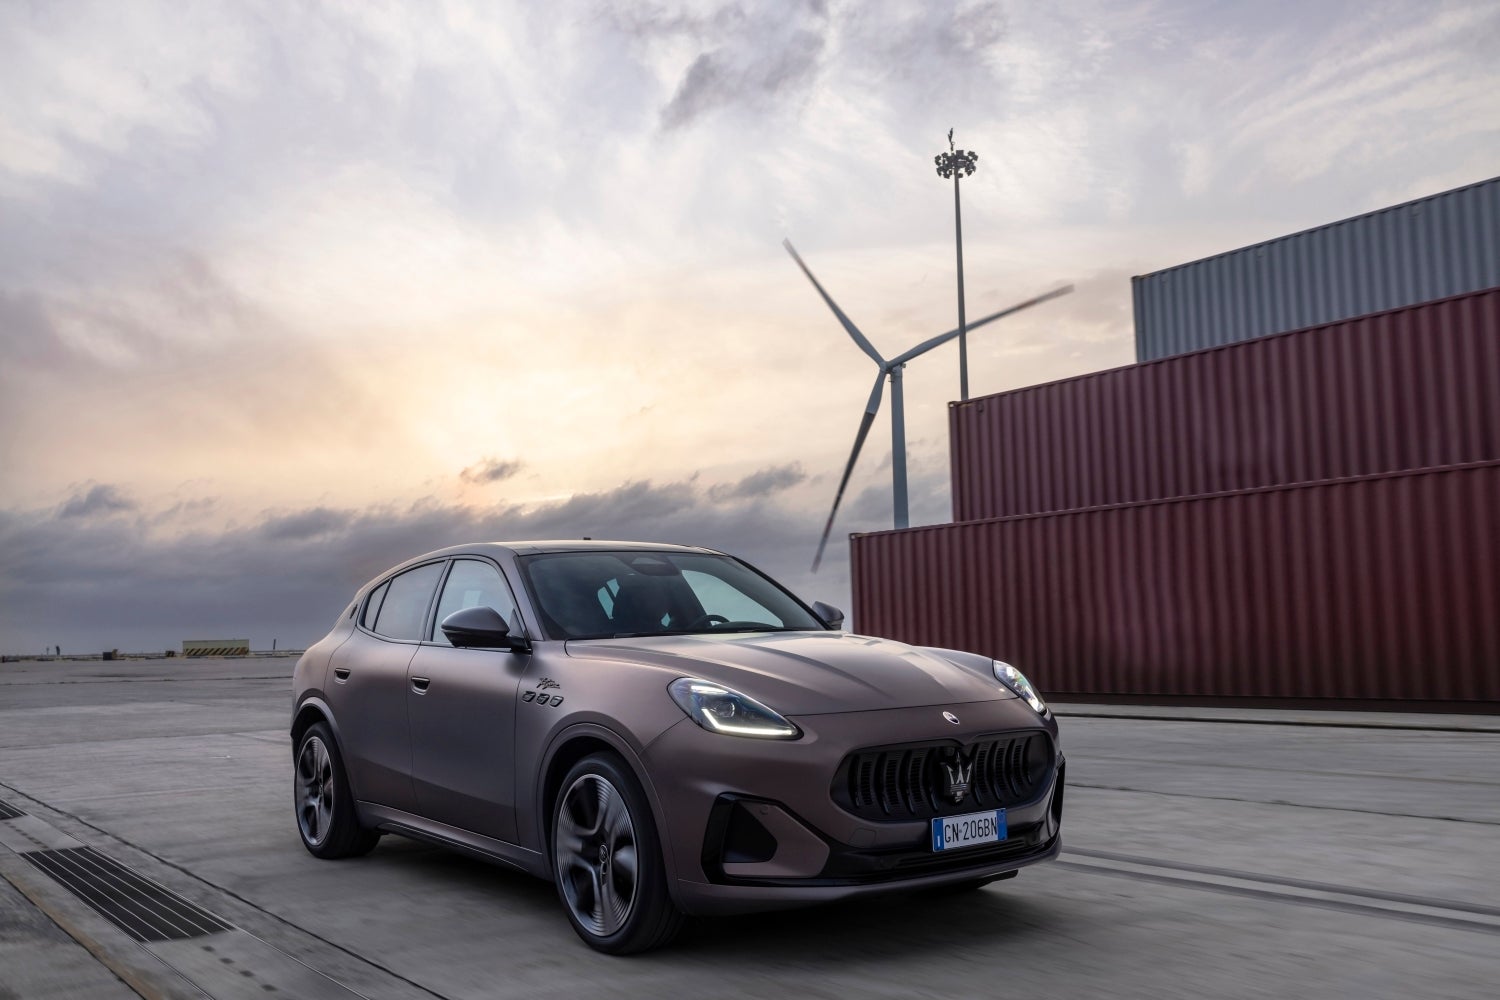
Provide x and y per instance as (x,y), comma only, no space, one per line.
(891,369)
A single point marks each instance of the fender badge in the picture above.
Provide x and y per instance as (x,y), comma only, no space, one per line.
(951,717)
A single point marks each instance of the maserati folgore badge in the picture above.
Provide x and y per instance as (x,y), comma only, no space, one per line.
(957,773)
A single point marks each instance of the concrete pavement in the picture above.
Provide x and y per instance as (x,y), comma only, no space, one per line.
(1234,857)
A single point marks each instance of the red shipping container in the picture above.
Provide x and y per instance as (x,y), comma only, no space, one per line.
(1379,587)
(1410,388)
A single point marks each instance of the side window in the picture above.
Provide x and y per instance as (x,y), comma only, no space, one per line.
(471,584)
(403,613)
(372,606)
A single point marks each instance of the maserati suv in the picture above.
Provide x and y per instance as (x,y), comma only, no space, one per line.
(663,730)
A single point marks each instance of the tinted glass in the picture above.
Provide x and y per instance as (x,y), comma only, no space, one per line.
(404,611)
(471,584)
(372,606)
(591,595)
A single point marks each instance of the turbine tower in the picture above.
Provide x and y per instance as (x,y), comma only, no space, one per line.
(891,369)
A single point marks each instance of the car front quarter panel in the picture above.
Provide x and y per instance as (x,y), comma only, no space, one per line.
(566,698)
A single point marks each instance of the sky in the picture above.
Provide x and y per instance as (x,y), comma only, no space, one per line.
(291,292)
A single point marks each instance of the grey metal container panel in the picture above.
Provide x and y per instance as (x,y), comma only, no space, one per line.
(1377,587)
(1405,389)
(1444,244)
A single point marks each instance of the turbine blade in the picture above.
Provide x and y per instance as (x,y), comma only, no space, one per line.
(865,422)
(849,327)
(943,338)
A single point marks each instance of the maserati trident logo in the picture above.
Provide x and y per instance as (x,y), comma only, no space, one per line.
(958,773)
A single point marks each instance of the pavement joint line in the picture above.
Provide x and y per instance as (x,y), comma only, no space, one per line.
(65,921)
(1326,901)
(1431,902)
(1411,727)
(365,960)
(1280,802)
(152,946)
(1423,778)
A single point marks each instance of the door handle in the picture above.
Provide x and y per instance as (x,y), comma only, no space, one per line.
(419,684)
(342,673)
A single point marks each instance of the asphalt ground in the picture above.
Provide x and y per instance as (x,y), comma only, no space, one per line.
(1208,853)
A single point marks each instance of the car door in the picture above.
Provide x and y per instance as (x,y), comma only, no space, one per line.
(369,685)
(462,707)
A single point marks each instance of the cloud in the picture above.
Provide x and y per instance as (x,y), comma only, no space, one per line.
(315,259)
(754,79)
(491,470)
(761,483)
(304,525)
(101,499)
(100,582)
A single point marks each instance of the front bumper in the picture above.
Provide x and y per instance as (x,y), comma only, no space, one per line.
(803,846)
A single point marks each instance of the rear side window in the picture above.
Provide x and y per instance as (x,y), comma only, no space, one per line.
(403,613)
(372,606)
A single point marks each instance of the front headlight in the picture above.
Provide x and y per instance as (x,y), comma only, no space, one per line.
(1017,682)
(721,710)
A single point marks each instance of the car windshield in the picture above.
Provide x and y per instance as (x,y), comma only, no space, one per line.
(597,595)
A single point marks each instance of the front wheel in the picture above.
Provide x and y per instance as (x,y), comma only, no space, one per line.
(326,819)
(607,860)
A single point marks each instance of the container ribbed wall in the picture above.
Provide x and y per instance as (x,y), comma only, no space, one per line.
(1445,244)
(1383,587)
(1411,388)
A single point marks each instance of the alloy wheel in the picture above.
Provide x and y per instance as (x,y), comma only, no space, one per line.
(314,791)
(595,852)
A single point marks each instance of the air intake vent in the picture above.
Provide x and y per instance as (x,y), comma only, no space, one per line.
(917,781)
(8,811)
(138,906)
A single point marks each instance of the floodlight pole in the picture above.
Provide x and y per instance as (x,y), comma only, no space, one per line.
(898,449)
(963,327)
(959,163)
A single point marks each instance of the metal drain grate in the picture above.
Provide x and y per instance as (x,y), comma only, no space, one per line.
(138,906)
(8,811)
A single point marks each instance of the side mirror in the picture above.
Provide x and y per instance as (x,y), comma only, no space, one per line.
(479,627)
(831,616)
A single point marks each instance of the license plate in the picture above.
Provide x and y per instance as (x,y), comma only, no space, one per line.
(986,827)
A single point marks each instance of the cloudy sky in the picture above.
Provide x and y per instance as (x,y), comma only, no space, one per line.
(292,291)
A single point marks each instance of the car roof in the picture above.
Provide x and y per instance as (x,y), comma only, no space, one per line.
(526,548)
(594,545)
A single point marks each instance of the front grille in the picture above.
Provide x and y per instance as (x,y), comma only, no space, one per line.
(910,781)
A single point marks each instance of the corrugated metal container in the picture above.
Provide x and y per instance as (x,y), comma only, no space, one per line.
(1445,244)
(1381,587)
(1411,388)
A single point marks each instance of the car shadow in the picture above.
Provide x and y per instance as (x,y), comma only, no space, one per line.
(921,922)
(887,926)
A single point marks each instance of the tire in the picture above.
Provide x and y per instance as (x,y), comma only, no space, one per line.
(322,802)
(600,818)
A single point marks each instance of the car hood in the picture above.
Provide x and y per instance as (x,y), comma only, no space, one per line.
(809,673)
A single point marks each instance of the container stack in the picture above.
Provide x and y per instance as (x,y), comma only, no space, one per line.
(1312,514)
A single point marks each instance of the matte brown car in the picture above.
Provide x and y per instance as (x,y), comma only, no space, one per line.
(663,730)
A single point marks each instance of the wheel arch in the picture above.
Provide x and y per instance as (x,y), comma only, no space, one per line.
(568,748)
(314,710)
